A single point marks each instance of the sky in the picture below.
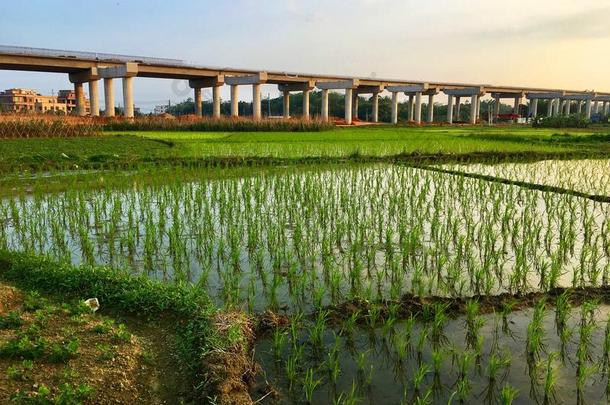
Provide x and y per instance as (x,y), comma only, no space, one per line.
(541,43)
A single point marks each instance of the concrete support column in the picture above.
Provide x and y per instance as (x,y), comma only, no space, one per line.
(606,107)
(108,98)
(198,110)
(375,102)
(556,107)
(234,101)
(306,104)
(496,107)
(549,108)
(80,99)
(394,107)
(474,102)
(588,108)
(516,105)
(418,107)
(478,108)
(325,105)
(596,107)
(256,101)
(348,106)
(286,100)
(579,107)
(355,100)
(430,115)
(567,108)
(562,108)
(411,108)
(534,105)
(128,96)
(458,107)
(216,101)
(94,98)
(450,109)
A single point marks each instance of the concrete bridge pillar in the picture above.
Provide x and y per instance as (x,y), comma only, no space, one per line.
(325,105)
(596,107)
(497,102)
(80,99)
(306,93)
(478,108)
(516,105)
(556,107)
(128,96)
(450,109)
(411,107)
(579,107)
(286,99)
(588,108)
(394,107)
(567,107)
(198,110)
(375,103)
(256,101)
(458,107)
(234,101)
(430,112)
(418,107)
(606,107)
(355,101)
(348,106)
(216,101)
(534,105)
(474,102)
(108,98)
(94,98)
(549,108)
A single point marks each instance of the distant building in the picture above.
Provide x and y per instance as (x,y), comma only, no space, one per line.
(68,97)
(29,101)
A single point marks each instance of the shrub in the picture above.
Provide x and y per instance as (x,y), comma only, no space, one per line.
(217,125)
(571,121)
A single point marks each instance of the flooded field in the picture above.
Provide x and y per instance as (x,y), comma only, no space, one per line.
(302,240)
(538,355)
(359,267)
(590,176)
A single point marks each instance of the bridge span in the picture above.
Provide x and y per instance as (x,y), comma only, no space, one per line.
(91,67)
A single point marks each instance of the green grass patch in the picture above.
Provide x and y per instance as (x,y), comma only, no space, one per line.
(120,292)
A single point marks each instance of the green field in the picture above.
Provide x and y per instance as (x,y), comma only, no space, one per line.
(358,265)
(133,148)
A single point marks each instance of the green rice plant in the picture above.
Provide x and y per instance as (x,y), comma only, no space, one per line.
(420,375)
(350,398)
(508,394)
(309,385)
(550,379)
(535,331)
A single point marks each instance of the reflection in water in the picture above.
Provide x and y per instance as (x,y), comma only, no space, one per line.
(539,355)
(297,241)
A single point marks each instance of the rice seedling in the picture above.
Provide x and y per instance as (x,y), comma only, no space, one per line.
(414,259)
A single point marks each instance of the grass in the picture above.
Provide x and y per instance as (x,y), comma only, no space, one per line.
(192,316)
(127,149)
(54,356)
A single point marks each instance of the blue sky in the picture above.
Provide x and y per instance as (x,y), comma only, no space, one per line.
(552,43)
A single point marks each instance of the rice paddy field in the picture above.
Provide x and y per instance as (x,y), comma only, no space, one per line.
(371,281)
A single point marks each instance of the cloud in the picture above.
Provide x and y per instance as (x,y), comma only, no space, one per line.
(590,24)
